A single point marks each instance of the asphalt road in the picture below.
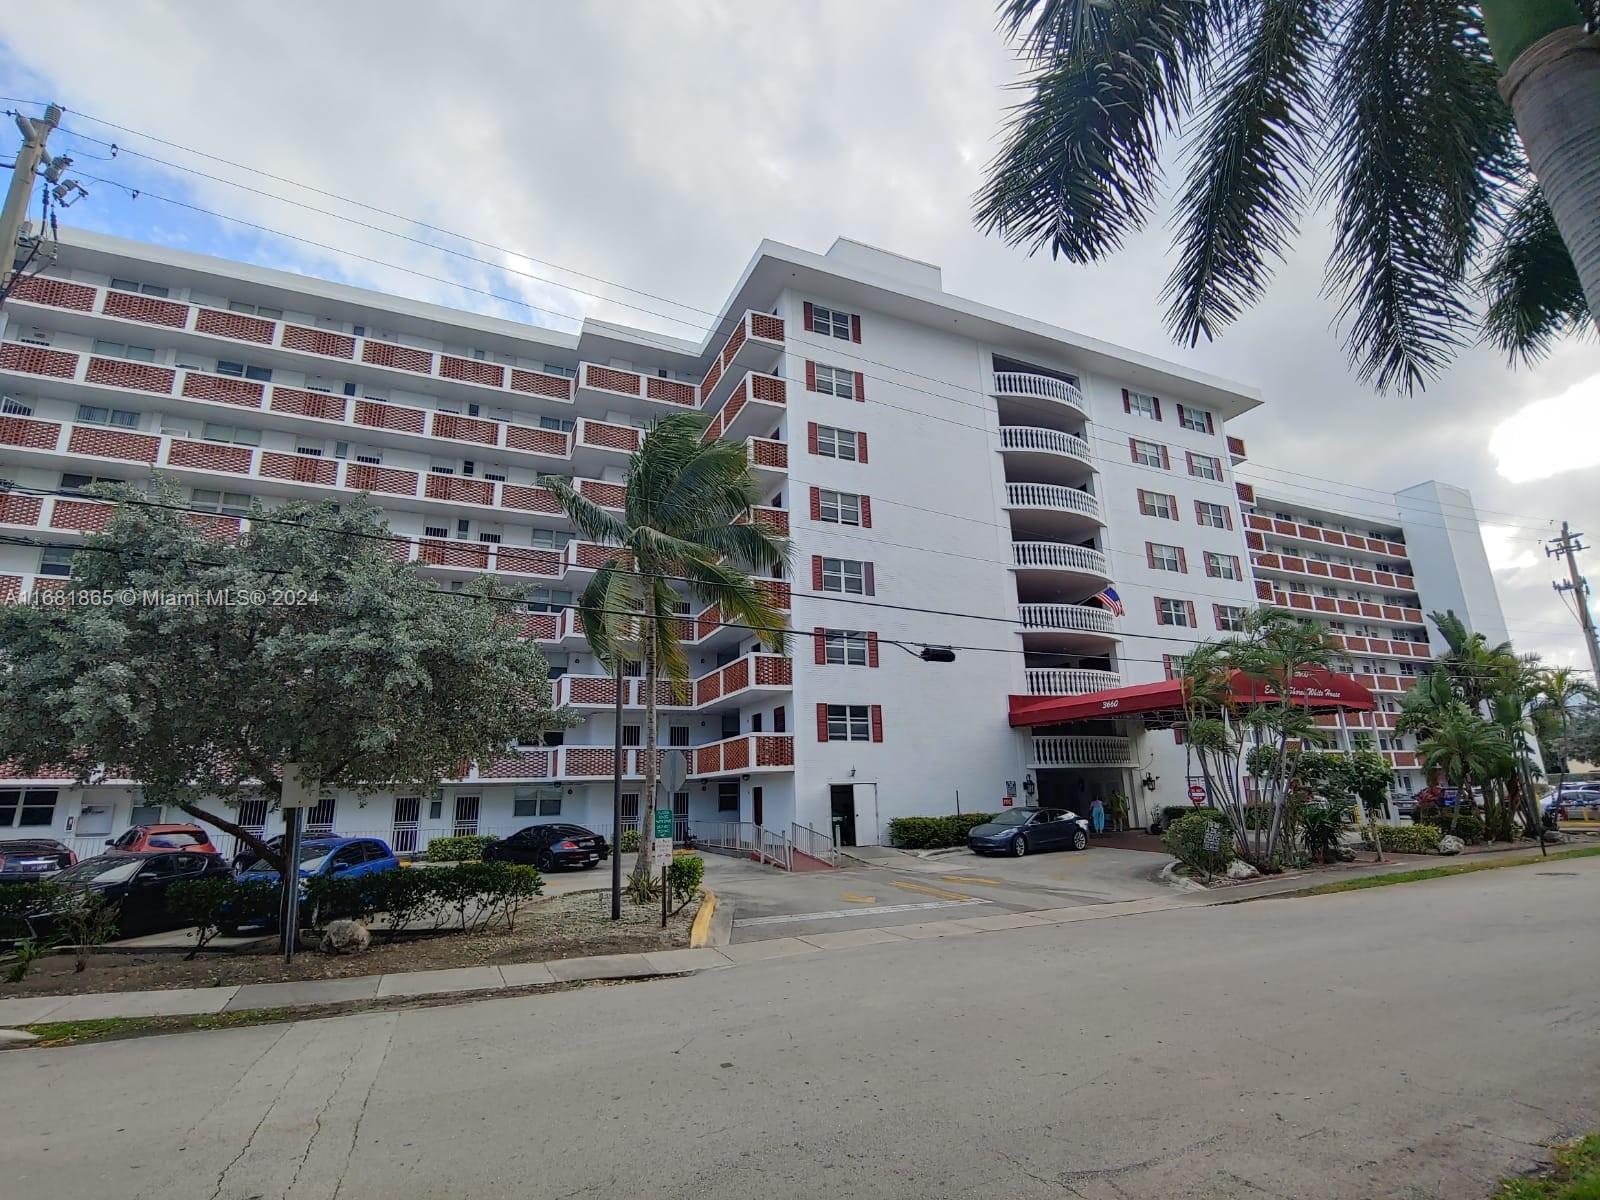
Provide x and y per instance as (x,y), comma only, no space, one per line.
(1409,1041)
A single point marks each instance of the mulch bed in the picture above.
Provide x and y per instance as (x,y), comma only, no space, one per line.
(567,926)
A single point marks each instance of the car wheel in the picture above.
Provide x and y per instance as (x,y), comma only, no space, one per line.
(1080,840)
(1019,846)
(544,862)
(590,866)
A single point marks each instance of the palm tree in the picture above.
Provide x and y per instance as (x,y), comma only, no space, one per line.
(685,527)
(1388,110)
(1558,690)
(1466,749)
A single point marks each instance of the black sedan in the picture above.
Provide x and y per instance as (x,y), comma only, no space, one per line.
(1021,831)
(27,860)
(137,885)
(550,846)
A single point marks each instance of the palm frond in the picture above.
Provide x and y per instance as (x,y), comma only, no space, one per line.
(1531,284)
(1423,148)
(747,544)
(1250,168)
(739,598)
(609,594)
(663,606)
(592,521)
(713,485)
(1080,162)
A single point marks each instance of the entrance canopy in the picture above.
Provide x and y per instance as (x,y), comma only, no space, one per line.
(1318,689)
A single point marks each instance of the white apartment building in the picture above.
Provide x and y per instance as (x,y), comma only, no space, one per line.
(1370,579)
(949,474)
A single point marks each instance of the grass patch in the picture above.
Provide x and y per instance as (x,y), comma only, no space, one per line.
(99,1029)
(1576,1175)
(1466,868)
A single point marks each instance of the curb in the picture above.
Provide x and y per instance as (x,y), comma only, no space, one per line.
(701,928)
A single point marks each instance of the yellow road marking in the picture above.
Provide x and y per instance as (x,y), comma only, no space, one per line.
(853,898)
(969,879)
(700,930)
(930,890)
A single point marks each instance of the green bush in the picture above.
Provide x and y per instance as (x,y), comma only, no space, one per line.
(219,903)
(684,877)
(1322,827)
(1173,813)
(934,833)
(1469,827)
(20,903)
(1185,839)
(630,841)
(459,849)
(481,893)
(1409,839)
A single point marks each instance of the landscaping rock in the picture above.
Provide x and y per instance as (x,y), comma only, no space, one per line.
(1450,844)
(1239,869)
(345,937)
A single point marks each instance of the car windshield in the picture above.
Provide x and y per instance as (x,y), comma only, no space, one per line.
(1017,816)
(312,856)
(100,870)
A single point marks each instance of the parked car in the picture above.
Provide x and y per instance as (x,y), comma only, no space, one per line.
(137,884)
(345,857)
(1023,830)
(1571,795)
(150,839)
(551,846)
(27,859)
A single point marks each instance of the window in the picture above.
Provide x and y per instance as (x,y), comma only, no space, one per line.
(548,600)
(1205,466)
(91,414)
(255,310)
(120,350)
(550,539)
(236,434)
(1158,504)
(15,408)
(1175,612)
(836,443)
(728,795)
(1172,665)
(542,801)
(371,458)
(836,381)
(27,806)
(495,476)
(1144,406)
(849,723)
(436,531)
(77,483)
(1230,617)
(841,508)
(142,289)
(844,647)
(1222,566)
(830,322)
(492,539)
(678,735)
(844,575)
(231,504)
(309,451)
(244,371)
(1197,419)
(1148,454)
(558,369)
(1217,516)
(56,561)
(1164,558)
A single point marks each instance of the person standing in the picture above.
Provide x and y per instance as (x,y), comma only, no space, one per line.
(1097,816)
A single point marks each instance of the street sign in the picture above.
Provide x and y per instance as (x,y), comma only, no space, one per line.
(674,770)
(661,852)
(1213,837)
(663,827)
(300,787)
(1197,794)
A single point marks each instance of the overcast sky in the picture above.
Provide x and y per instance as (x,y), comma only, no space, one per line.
(654,144)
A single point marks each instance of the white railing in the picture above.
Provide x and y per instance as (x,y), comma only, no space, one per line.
(1021,383)
(775,849)
(1051,495)
(1104,751)
(807,841)
(1051,441)
(1058,554)
(732,837)
(1076,618)
(1070,681)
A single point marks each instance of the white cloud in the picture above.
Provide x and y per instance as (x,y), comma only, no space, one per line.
(1549,436)
(1508,547)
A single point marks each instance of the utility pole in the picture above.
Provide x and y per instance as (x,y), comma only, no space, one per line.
(35,132)
(1567,546)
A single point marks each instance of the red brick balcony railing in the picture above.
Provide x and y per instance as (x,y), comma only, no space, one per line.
(137,376)
(20,510)
(1331,537)
(472,370)
(299,468)
(766,452)
(97,442)
(302,403)
(236,326)
(606,436)
(395,481)
(245,393)
(1320,570)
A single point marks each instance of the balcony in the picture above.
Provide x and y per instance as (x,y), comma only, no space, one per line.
(1058,751)
(755,345)
(745,754)
(1058,556)
(746,676)
(756,405)
(633,390)
(1304,602)
(1070,681)
(1047,388)
(1314,569)
(767,454)
(1236,454)
(1049,451)
(1036,498)
(1066,618)
(1256,523)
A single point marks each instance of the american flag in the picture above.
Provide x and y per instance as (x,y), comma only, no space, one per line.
(1111,600)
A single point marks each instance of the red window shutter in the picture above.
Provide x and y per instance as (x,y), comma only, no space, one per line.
(1127,404)
(1209,427)
(877,722)
(811,436)
(1227,516)
(1216,614)
(872,649)
(811,376)
(809,321)
(1238,571)
(866,512)
(820,638)
(861,384)
(1177,734)
(1180,414)
(861,447)
(1133,449)
(1155,403)
(822,722)
(816,572)
(868,580)
(1150,555)
(1183,561)
(779,721)
(816,504)
(1166,461)
(855,327)
(1188,461)
(1172,505)
(1159,620)
(1193,624)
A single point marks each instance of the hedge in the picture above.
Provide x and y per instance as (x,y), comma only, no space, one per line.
(933,833)
(471,895)
(459,849)
(1185,838)
(20,902)
(1469,827)
(1409,839)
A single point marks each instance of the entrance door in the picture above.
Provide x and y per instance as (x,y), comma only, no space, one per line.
(466,822)
(842,800)
(407,811)
(866,804)
(755,805)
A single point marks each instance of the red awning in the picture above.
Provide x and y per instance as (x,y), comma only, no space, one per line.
(1315,689)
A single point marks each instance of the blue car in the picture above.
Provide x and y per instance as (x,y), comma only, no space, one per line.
(343,857)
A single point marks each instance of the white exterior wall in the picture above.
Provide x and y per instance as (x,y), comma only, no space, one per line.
(1448,558)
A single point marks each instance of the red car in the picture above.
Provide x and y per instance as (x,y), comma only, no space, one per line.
(150,839)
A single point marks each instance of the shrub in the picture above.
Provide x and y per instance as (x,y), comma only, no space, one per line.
(1186,839)
(934,833)
(26,952)
(216,904)
(1469,827)
(85,923)
(684,876)
(475,894)
(630,841)
(20,903)
(1322,827)
(459,849)
(483,893)
(1409,839)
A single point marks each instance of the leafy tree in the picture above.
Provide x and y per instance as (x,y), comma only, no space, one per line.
(1559,691)
(1466,749)
(685,526)
(1389,111)
(379,682)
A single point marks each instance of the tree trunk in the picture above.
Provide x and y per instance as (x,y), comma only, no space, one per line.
(642,867)
(1551,80)
(273,857)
